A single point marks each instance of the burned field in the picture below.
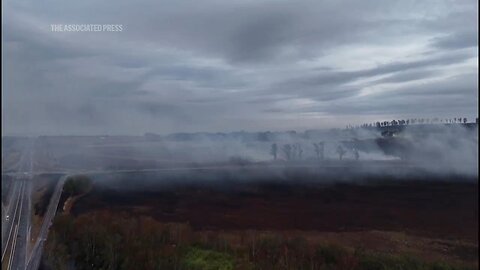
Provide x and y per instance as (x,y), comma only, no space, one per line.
(441,208)
(249,216)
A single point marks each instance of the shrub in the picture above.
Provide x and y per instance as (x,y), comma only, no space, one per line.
(76,185)
(201,259)
(330,254)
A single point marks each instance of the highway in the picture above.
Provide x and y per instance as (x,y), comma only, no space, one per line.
(16,222)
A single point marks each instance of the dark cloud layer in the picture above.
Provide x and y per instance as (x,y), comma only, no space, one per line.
(232,65)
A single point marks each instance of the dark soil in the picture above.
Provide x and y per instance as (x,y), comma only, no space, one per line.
(447,210)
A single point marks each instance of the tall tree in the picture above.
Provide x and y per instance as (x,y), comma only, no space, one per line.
(273,151)
(317,150)
(356,154)
(287,150)
(340,152)
(300,151)
(294,152)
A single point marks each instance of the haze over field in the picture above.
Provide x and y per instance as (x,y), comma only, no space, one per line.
(240,134)
(235,65)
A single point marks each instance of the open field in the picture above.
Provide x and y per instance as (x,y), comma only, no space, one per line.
(429,218)
(426,208)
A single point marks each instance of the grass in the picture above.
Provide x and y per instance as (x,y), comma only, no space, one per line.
(400,262)
(202,259)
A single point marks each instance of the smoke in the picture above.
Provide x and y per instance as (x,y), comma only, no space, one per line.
(434,149)
(445,149)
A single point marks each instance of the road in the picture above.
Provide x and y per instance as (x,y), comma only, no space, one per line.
(16,229)
(36,255)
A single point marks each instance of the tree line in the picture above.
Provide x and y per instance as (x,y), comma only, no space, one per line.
(413,121)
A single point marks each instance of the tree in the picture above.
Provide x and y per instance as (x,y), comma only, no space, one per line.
(77,185)
(300,151)
(340,152)
(319,149)
(355,153)
(464,120)
(287,150)
(294,152)
(322,150)
(273,151)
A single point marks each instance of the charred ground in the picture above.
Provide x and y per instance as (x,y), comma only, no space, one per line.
(433,207)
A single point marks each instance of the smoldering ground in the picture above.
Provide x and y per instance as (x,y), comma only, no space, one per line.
(441,150)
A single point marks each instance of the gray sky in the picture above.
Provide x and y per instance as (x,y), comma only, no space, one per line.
(235,65)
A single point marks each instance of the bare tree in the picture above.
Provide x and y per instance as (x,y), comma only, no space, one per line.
(356,154)
(273,151)
(294,152)
(340,152)
(300,151)
(322,150)
(317,149)
(287,150)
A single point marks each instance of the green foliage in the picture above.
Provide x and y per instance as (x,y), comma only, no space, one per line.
(76,185)
(201,259)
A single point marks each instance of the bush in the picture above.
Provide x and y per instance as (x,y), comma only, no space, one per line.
(330,254)
(201,259)
(76,185)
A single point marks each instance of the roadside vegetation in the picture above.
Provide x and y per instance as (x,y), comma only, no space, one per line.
(77,185)
(103,240)
(73,189)
(43,190)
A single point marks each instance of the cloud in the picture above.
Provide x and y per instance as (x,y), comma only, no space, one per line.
(220,66)
(457,40)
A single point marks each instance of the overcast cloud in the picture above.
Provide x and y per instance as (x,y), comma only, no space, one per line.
(235,65)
